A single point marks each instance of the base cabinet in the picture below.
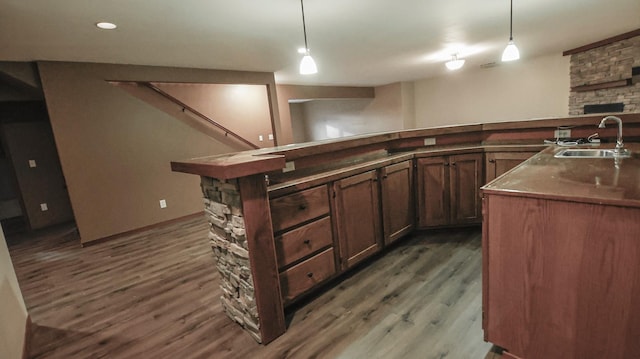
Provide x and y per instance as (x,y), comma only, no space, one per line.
(396,188)
(357,213)
(448,190)
(499,163)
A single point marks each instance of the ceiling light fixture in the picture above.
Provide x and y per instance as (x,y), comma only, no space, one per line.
(106,25)
(455,63)
(511,51)
(307,65)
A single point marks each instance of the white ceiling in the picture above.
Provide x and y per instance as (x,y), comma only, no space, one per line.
(354,42)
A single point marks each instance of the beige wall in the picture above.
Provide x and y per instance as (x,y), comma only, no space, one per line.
(242,109)
(323,119)
(520,90)
(13,312)
(115,149)
(291,132)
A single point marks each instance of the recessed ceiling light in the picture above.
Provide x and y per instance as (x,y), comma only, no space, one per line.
(106,25)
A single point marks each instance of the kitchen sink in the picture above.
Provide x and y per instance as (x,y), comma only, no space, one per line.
(591,153)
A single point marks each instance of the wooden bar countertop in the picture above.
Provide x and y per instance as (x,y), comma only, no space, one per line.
(587,180)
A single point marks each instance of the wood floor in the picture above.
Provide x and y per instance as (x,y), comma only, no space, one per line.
(155,295)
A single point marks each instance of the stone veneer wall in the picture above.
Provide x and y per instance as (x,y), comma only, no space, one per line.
(223,207)
(607,63)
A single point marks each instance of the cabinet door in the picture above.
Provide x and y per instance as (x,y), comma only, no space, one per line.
(397,200)
(433,191)
(499,163)
(357,217)
(466,179)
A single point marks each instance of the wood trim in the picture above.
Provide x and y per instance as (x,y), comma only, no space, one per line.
(142,229)
(626,35)
(262,256)
(28,334)
(603,85)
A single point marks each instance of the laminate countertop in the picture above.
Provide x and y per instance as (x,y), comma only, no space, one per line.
(588,180)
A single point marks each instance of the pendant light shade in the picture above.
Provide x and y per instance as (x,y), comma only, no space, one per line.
(455,63)
(307,65)
(511,52)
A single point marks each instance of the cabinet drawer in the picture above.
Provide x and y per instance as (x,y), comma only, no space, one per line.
(293,209)
(306,275)
(301,242)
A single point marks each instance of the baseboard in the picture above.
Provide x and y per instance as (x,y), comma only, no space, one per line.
(142,229)
(28,334)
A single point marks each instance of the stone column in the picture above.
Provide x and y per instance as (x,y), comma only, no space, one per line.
(223,208)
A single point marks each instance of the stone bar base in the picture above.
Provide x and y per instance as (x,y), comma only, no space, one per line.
(223,208)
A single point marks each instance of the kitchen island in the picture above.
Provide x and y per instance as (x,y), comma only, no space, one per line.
(561,258)
(285,221)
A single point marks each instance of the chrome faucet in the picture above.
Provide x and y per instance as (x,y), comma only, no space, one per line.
(619,146)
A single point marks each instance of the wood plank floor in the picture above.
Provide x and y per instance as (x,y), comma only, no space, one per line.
(155,295)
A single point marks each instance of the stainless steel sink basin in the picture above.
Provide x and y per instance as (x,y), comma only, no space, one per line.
(590,153)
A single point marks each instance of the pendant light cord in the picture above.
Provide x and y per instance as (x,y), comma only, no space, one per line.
(304,27)
(510,23)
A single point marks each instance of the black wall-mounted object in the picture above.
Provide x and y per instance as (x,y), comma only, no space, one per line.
(604,108)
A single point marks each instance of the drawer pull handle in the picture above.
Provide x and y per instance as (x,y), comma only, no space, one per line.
(309,274)
(302,207)
(492,161)
(307,241)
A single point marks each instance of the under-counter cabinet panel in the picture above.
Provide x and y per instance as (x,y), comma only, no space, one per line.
(448,190)
(397,200)
(357,214)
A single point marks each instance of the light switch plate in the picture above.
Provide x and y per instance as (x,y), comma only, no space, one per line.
(32,163)
(270,137)
(429,141)
(44,207)
(289,166)
(163,203)
(562,133)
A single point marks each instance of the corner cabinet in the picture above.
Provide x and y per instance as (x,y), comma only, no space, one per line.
(357,217)
(398,196)
(448,190)
(498,163)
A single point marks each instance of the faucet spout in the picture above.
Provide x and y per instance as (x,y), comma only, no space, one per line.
(619,145)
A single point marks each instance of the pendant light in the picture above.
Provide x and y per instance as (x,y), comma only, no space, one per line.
(455,63)
(307,65)
(511,51)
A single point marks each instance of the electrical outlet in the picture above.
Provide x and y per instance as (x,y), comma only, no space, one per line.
(163,203)
(289,166)
(562,133)
(260,138)
(44,207)
(429,141)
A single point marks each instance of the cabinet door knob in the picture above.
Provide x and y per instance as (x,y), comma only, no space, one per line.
(453,163)
(302,207)
(307,241)
(492,161)
(446,163)
(309,274)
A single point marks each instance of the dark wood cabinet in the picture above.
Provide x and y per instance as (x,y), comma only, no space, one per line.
(357,217)
(498,163)
(448,190)
(303,241)
(398,196)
